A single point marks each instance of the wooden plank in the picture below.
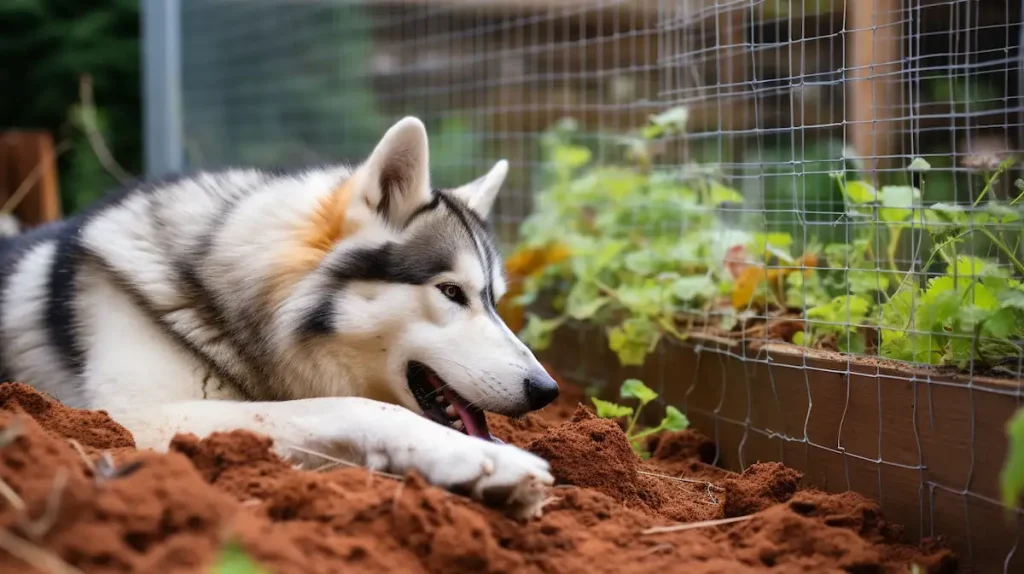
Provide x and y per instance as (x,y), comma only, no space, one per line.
(874,92)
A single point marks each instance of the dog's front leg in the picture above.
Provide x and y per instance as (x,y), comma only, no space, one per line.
(380,436)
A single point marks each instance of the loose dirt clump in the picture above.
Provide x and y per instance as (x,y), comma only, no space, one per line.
(174,512)
(760,486)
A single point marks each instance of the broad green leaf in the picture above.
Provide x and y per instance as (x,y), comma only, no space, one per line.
(860,192)
(538,332)
(971,317)
(633,340)
(897,202)
(721,194)
(234,560)
(610,410)
(1000,213)
(867,282)
(571,157)
(919,164)
(1012,299)
(594,258)
(842,309)
(581,310)
(837,255)
(1011,479)
(939,305)
(966,266)
(851,342)
(636,389)
(802,339)
(645,300)
(694,289)
(1001,323)
(673,119)
(674,420)
(947,213)
(644,262)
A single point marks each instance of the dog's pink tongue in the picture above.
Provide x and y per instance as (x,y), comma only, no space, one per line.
(473,418)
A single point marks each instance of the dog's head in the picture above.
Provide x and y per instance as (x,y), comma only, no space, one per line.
(415,290)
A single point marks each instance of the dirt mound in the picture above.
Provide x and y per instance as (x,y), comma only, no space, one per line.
(173,512)
(761,485)
(91,429)
(156,515)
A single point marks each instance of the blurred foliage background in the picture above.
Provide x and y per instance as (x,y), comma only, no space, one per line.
(45,46)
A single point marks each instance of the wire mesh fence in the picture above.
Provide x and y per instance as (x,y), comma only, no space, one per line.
(798,220)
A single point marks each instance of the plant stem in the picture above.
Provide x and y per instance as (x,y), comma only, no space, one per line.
(633,419)
(990,180)
(894,243)
(645,433)
(1002,247)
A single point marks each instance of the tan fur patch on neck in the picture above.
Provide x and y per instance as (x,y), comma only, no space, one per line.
(313,242)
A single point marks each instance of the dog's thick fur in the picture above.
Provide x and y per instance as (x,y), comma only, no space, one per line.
(294,305)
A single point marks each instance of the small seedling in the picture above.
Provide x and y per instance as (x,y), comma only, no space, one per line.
(636,389)
(234,559)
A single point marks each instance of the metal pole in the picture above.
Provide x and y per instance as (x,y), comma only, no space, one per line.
(161,87)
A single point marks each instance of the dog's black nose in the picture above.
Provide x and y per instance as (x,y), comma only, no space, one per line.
(541,389)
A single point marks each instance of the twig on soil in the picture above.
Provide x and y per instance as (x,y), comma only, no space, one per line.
(710,485)
(12,497)
(36,529)
(106,470)
(81,452)
(658,548)
(695,525)
(340,462)
(35,556)
(10,432)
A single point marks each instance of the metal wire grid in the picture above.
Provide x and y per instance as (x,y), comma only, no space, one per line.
(769,86)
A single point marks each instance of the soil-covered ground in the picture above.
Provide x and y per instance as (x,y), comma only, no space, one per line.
(130,511)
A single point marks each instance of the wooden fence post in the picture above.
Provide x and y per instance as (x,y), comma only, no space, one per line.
(28,158)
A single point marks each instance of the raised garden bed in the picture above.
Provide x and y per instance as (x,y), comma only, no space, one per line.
(928,446)
(877,348)
(92,502)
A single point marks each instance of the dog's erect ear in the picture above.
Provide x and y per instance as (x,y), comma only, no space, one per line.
(480,194)
(395,180)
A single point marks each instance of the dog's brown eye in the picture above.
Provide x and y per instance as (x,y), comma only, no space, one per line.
(454,293)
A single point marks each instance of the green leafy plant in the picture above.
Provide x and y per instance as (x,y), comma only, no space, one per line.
(839,318)
(649,246)
(234,559)
(1011,478)
(635,389)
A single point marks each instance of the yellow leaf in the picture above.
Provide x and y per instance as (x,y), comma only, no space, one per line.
(522,264)
(531,261)
(746,285)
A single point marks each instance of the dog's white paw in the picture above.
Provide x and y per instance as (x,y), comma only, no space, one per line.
(497,474)
(392,439)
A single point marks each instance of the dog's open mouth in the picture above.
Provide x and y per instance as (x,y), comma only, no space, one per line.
(443,405)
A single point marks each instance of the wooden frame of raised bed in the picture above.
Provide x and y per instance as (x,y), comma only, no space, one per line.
(927,445)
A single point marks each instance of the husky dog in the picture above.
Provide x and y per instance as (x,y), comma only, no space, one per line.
(346,312)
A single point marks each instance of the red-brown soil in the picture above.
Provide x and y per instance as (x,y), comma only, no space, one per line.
(173,512)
